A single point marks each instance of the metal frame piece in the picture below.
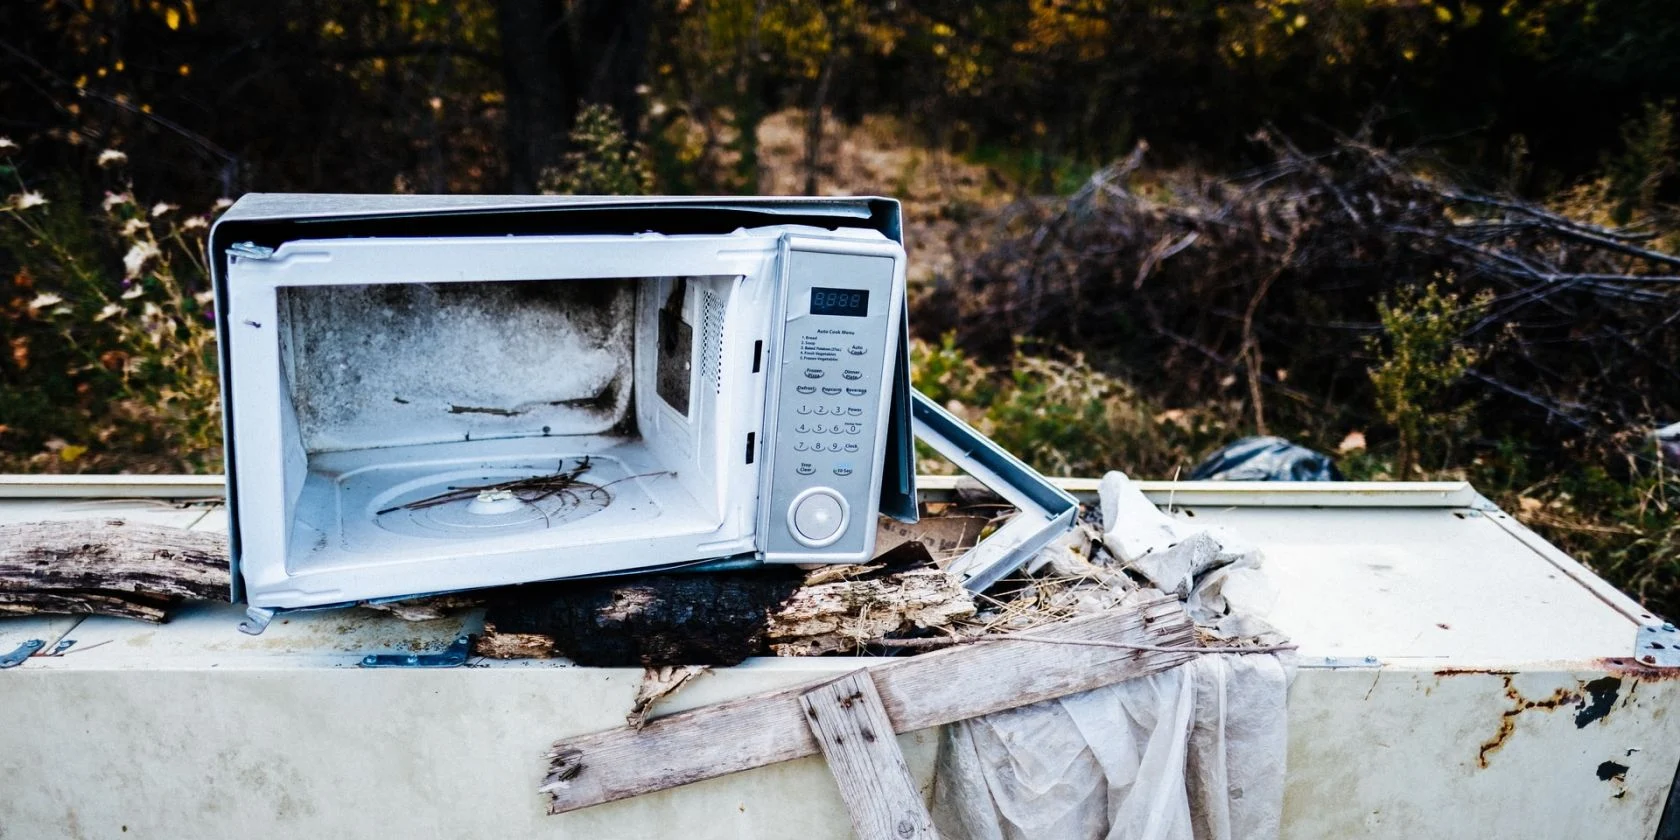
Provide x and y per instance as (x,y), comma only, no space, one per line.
(23,651)
(1046,511)
(450,657)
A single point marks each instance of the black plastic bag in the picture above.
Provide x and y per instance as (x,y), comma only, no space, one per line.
(1265,459)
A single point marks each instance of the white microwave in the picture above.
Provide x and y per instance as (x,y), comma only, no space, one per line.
(427,394)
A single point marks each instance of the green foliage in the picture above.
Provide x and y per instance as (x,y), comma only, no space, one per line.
(1420,356)
(1646,161)
(602,160)
(1061,415)
(112,350)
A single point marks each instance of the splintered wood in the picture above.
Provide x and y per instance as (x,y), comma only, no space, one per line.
(855,735)
(108,567)
(841,615)
(917,692)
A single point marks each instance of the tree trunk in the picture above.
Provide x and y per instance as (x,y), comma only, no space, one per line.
(558,55)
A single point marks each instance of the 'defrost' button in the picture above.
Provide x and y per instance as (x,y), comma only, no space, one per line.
(817,517)
(805,389)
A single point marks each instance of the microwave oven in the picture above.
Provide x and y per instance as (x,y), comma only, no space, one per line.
(428,394)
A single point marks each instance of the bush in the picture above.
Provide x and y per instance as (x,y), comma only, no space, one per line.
(112,361)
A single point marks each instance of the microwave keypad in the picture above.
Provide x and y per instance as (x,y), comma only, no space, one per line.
(823,488)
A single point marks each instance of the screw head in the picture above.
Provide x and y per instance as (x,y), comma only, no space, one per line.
(370,659)
(1669,626)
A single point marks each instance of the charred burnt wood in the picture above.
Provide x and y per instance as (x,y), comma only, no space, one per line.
(650,620)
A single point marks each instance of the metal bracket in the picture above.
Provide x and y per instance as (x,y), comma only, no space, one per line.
(450,657)
(59,649)
(1658,645)
(24,651)
(1341,662)
(1046,511)
(256,620)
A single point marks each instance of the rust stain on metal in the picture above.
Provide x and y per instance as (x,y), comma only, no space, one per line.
(1520,704)
(1629,667)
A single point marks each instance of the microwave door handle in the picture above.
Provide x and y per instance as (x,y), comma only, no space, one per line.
(1045,511)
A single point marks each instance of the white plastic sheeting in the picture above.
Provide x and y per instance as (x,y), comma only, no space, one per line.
(1195,752)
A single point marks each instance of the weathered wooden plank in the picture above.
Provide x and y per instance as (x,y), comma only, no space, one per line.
(109,566)
(918,692)
(855,735)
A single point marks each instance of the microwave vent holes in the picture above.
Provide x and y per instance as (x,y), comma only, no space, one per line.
(711,340)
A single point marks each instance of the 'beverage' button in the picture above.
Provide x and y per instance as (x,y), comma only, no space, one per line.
(856,392)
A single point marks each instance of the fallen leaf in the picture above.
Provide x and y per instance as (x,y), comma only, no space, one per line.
(1354,442)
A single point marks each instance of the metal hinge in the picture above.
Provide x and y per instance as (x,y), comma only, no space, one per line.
(1658,645)
(24,651)
(450,657)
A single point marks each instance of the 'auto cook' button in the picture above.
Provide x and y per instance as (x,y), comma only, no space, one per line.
(817,517)
(857,350)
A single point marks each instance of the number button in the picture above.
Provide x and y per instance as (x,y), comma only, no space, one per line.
(853,428)
(804,409)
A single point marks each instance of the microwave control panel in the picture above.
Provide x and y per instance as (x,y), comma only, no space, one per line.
(834,367)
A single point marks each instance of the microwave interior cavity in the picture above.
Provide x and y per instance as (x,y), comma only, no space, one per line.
(495,409)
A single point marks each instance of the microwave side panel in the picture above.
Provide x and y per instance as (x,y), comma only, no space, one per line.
(835,353)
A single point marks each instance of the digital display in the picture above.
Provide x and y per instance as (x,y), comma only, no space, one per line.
(853,303)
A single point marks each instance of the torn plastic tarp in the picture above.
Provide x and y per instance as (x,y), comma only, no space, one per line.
(1194,752)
